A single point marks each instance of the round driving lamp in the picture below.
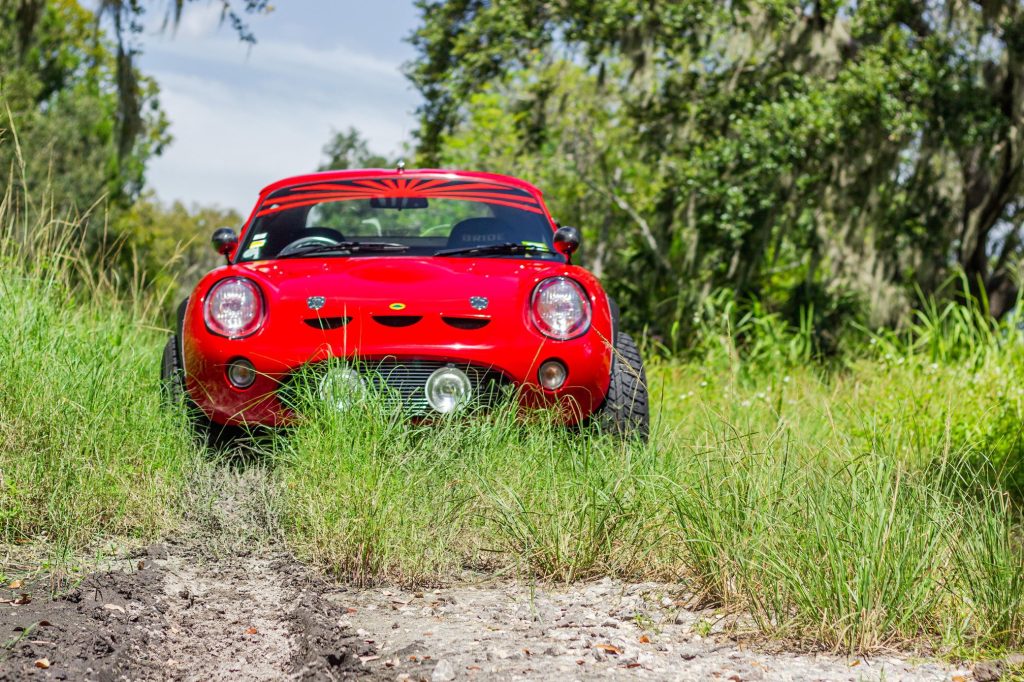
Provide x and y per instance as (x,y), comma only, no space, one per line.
(552,375)
(241,373)
(341,387)
(448,389)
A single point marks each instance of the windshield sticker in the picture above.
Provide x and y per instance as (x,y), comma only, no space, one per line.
(536,245)
(261,235)
(253,252)
(403,188)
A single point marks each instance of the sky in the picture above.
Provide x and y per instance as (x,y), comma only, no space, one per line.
(242,116)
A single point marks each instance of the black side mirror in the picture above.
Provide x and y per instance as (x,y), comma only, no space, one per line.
(567,241)
(224,241)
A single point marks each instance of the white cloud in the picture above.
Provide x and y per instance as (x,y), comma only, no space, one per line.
(199,21)
(242,119)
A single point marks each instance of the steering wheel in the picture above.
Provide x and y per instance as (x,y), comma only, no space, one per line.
(314,236)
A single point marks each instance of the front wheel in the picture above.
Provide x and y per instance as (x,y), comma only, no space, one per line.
(172,378)
(626,409)
(172,389)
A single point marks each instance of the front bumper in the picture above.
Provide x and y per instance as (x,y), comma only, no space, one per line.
(509,364)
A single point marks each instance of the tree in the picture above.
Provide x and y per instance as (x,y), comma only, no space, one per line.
(56,50)
(78,125)
(58,101)
(807,154)
(168,245)
(347,150)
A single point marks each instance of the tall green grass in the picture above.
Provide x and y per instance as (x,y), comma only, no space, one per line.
(865,502)
(858,508)
(86,451)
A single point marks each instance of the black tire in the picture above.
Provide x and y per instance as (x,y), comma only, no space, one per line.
(172,377)
(626,409)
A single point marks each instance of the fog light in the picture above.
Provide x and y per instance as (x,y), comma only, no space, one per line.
(448,389)
(341,387)
(552,375)
(241,373)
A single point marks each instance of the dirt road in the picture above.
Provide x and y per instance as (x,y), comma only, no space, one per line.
(177,612)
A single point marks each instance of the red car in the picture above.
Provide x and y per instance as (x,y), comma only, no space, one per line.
(441,288)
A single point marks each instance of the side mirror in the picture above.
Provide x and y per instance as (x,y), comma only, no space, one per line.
(224,241)
(567,241)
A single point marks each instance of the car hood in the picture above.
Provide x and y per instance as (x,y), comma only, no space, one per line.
(396,285)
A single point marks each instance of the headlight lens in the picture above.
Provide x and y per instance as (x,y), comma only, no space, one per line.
(560,308)
(341,387)
(241,373)
(552,375)
(234,308)
(448,389)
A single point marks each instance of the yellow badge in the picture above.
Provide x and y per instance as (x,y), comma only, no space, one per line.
(397,306)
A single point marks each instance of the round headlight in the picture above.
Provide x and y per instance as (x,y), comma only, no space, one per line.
(560,308)
(448,389)
(341,387)
(234,308)
(241,373)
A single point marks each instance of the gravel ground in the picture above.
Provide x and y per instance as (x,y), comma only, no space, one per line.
(218,605)
(505,630)
(178,613)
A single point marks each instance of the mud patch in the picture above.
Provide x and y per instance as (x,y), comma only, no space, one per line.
(178,613)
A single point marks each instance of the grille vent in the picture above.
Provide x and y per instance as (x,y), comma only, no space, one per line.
(327,322)
(397,320)
(401,384)
(466,322)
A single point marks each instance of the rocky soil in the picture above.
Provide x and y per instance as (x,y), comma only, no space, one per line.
(222,603)
(176,612)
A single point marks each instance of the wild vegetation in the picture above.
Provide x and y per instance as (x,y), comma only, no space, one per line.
(813,209)
(857,506)
(86,452)
(821,157)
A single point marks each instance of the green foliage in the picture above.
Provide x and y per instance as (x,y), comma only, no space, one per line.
(825,159)
(348,149)
(167,247)
(86,449)
(78,119)
(59,102)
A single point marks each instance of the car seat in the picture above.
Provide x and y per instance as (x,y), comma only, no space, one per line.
(479,232)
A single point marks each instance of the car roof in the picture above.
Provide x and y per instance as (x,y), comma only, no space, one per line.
(395,173)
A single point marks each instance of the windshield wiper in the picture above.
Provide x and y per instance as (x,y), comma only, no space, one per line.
(509,248)
(348,247)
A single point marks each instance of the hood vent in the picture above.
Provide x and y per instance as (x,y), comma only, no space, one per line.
(397,320)
(327,323)
(466,322)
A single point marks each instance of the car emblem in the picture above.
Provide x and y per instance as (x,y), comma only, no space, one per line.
(397,306)
(479,302)
(315,302)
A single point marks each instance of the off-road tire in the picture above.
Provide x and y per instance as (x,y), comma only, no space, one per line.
(626,409)
(172,389)
(172,377)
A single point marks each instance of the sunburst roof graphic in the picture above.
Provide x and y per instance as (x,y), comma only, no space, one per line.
(399,188)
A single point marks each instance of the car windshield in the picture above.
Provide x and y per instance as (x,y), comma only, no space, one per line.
(400,216)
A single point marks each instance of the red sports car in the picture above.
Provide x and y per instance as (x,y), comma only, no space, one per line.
(439,288)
